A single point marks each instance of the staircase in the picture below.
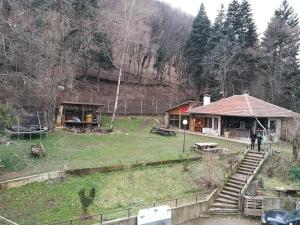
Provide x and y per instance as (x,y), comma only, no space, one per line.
(227,202)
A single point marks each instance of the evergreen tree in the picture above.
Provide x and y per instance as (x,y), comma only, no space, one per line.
(233,21)
(196,50)
(248,34)
(280,48)
(217,30)
(286,14)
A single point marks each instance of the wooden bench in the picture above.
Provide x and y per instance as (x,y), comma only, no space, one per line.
(163,131)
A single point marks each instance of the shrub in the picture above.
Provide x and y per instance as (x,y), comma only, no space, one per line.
(209,174)
(86,200)
(185,161)
(294,172)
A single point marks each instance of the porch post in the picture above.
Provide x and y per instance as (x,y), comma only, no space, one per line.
(179,118)
(219,125)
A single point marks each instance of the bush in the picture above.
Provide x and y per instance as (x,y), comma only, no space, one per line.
(86,200)
(294,172)
(185,161)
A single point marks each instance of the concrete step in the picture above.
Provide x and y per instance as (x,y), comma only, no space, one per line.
(252,158)
(237,179)
(232,181)
(229,197)
(230,184)
(230,193)
(243,172)
(235,190)
(227,201)
(224,206)
(249,163)
(255,155)
(220,211)
(256,152)
(247,167)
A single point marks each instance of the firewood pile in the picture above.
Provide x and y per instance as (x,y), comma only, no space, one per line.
(78,130)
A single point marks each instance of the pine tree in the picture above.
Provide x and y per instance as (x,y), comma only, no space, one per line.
(196,50)
(217,30)
(286,14)
(248,34)
(280,48)
(233,21)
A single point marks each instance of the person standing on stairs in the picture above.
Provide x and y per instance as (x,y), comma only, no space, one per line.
(259,138)
(253,138)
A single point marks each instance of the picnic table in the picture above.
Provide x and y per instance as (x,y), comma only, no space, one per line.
(207,147)
(163,131)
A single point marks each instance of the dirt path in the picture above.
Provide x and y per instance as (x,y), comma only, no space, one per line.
(224,221)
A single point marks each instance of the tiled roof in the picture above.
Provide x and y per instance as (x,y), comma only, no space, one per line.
(244,106)
(184,103)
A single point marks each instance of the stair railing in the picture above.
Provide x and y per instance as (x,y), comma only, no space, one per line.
(250,178)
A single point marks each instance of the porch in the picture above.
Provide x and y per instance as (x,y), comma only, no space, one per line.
(235,128)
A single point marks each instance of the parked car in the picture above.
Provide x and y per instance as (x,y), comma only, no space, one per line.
(280,217)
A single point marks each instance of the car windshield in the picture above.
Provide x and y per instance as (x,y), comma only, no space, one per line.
(292,216)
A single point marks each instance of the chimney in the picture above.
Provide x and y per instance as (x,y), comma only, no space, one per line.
(246,93)
(206,99)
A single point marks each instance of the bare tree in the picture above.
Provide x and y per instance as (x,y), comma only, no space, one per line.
(127,20)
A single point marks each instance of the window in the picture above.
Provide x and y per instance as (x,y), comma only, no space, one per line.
(273,125)
(208,122)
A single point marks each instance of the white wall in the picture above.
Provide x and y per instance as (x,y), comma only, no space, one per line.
(216,132)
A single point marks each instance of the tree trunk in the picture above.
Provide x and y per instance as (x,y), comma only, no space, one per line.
(111,127)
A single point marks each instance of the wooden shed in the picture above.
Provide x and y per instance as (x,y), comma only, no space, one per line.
(175,115)
(79,114)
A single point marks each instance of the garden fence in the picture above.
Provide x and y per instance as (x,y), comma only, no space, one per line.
(130,211)
(141,106)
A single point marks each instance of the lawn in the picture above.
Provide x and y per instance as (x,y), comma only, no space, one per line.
(131,141)
(52,201)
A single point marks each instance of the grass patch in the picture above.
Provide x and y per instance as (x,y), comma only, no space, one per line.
(130,142)
(39,203)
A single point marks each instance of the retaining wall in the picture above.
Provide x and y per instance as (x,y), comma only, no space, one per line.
(14,183)
(289,204)
(18,182)
(105,169)
(180,215)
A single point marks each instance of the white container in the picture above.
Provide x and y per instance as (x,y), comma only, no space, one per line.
(160,215)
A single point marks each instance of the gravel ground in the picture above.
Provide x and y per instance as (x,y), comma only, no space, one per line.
(224,221)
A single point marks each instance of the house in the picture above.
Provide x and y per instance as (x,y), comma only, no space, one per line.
(175,115)
(236,116)
(79,114)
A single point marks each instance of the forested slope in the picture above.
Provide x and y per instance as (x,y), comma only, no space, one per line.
(72,49)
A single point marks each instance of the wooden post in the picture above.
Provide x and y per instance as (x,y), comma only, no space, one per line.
(38,116)
(141,107)
(108,106)
(125,108)
(156,107)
